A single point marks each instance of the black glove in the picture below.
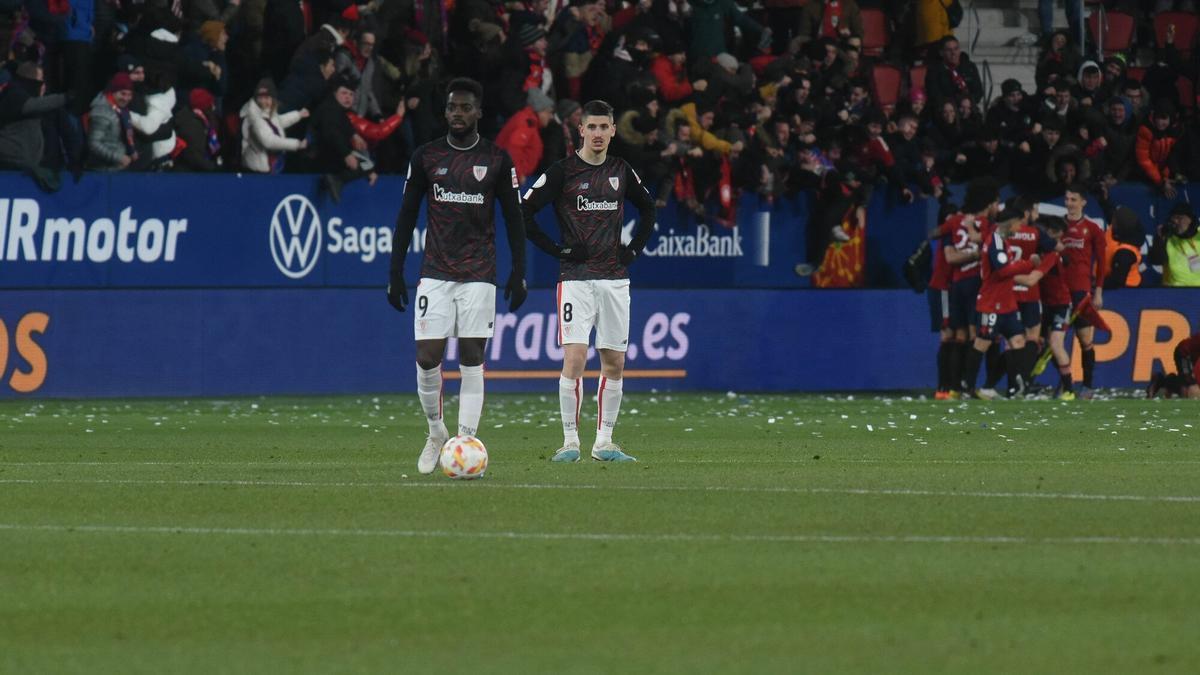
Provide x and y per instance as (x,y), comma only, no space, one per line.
(397,293)
(517,290)
(577,253)
(626,255)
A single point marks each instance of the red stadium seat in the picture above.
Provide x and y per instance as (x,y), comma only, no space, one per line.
(875,35)
(1187,93)
(1136,73)
(1185,30)
(1115,33)
(885,84)
(916,76)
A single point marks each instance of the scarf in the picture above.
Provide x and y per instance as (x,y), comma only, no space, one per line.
(126,124)
(831,18)
(274,159)
(595,36)
(214,143)
(360,61)
(536,67)
(960,83)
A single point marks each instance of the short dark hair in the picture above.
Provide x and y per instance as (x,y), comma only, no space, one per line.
(466,84)
(597,108)
(1053,223)
(1078,189)
(1020,203)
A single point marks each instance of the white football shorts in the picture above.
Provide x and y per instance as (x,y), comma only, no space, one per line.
(599,303)
(465,309)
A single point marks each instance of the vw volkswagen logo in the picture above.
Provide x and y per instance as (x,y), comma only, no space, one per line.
(295,236)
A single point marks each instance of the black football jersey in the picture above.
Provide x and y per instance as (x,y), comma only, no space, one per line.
(589,200)
(460,188)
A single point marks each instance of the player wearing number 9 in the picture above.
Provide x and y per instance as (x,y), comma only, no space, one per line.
(461,177)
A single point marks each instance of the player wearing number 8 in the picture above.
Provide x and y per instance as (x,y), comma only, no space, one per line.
(588,190)
(461,177)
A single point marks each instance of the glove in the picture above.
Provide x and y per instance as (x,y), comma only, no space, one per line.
(397,293)
(577,253)
(515,292)
(626,255)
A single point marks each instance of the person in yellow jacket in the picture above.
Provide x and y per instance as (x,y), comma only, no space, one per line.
(1177,248)
(932,22)
(700,122)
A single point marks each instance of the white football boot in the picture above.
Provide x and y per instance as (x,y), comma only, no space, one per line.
(428,460)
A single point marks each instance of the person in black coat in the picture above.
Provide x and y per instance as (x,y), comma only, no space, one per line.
(954,74)
(341,152)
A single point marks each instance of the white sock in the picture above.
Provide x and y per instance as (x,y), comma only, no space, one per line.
(470,400)
(608,404)
(569,395)
(429,390)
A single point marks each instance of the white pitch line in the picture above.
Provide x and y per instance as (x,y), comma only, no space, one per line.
(605,536)
(732,460)
(886,492)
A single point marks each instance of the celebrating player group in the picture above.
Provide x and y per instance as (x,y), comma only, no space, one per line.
(461,177)
(1016,275)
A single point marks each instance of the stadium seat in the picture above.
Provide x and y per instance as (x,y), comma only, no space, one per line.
(1115,33)
(885,84)
(1187,92)
(1136,73)
(916,76)
(1185,30)
(875,34)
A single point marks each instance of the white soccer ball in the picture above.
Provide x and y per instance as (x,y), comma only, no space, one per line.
(464,458)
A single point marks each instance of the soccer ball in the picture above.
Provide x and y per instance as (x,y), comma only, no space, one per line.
(464,458)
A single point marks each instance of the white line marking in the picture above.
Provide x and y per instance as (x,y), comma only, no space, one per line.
(604,536)
(887,492)
(909,460)
(732,460)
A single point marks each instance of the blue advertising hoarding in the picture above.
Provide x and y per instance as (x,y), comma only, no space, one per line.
(243,231)
(215,342)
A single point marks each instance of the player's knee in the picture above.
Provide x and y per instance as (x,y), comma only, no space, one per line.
(428,358)
(471,351)
(612,364)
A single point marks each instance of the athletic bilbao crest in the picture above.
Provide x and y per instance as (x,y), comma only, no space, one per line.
(614,181)
(480,172)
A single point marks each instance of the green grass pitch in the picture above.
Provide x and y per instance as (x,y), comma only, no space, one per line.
(758,534)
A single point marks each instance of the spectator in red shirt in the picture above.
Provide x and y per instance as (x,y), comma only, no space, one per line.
(1155,139)
(670,71)
(521,135)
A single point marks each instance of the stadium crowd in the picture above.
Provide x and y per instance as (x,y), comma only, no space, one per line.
(713,98)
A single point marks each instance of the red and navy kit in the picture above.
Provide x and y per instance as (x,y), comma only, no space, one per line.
(1187,358)
(1084,255)
(589,200)
(943,271)
(460,187)
(1056,297)
(962,226)
(938,291)
(997,301)
(1024,242)
(964,286)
